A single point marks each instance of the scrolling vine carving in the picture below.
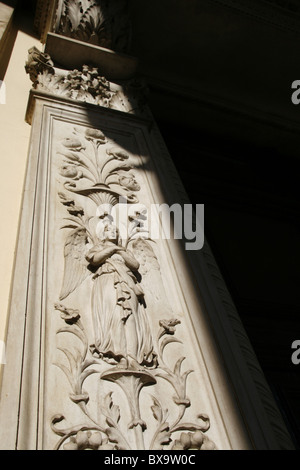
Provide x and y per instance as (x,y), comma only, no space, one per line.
(124,351)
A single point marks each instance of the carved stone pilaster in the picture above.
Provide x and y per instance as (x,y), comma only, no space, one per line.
(109,345)
(110,369)
(121,271)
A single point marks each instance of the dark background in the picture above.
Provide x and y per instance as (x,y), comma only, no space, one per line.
(220,89)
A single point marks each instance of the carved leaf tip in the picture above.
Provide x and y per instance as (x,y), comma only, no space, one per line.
(69,315)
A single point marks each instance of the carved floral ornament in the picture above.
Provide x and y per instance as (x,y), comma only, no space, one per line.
(86,85)
(123,349)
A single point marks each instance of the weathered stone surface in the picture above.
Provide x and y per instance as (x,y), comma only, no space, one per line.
(73,54)
(86,84)
(104,325)
(6,11)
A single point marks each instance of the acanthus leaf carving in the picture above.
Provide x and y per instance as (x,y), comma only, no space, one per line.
(97,22)
(86,85)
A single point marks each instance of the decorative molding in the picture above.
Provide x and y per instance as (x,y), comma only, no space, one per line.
(85,85)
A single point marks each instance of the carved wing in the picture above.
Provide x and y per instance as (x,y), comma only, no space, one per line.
(75,270)
(151,279)
(145,255)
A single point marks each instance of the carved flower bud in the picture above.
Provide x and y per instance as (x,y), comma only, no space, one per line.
(95,440)
(82,440)
(177,446)
(74,73)
(208,444)
(95,134)
(107,447)
(197,439)
(72,445)
(185,440)
(132,198)
(74,84)
(128,181)
(94,71)
(72,143)
(95,83)
(70,171)
(118,153)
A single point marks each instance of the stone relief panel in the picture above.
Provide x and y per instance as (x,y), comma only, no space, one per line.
(122,372)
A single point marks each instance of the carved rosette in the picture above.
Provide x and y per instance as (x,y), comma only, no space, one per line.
(124,349)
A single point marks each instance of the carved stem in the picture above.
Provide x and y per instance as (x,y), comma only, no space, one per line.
(131,382)
(132,386)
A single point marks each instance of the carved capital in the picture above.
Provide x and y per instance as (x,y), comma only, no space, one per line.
(97,22)
(87,85)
